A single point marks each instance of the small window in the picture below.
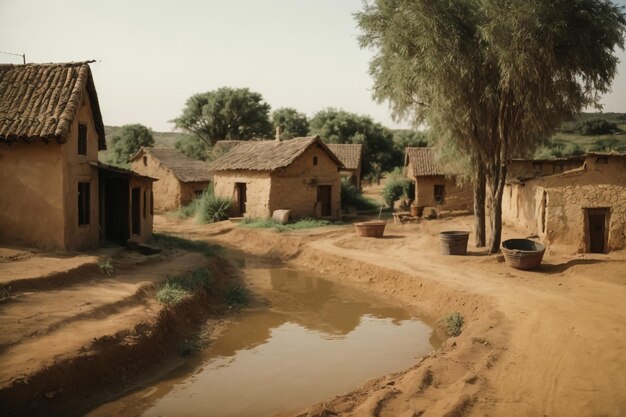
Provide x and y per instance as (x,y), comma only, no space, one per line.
(315,160)
(84,193)
(82,139)
(440,194)
(602,160)
(145,161)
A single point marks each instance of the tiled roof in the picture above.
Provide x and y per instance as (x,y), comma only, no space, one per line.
(40,101)
(348,154)
(184,168)
(423,162)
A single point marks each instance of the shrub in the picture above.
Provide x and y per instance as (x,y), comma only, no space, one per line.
(211,208)
(396,188)
(174,242)
(237,296)
(597,127)
(351,197)
(187,211)
(454,323)
(106,267)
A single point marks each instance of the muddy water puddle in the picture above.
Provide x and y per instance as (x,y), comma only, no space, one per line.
(303,339)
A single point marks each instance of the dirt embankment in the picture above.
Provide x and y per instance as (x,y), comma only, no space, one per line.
(547,342)
(72,339)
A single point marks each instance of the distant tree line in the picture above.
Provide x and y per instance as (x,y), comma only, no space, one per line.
(241,114)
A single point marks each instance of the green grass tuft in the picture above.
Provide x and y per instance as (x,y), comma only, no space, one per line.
(176,289)
(174,242)
(106,266)
(273,224)
(237,296)
(454,323)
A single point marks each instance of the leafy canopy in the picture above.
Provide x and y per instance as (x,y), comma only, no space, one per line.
(128,141)
(225,113)
(292,123)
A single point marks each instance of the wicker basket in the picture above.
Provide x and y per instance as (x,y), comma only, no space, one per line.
(453,242)
(373,228)
(523,253)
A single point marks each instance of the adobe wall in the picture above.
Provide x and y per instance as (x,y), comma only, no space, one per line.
(167,190)
(295,187)
(77,169)
(188,190)
(145,216)
(530,168)
(456,197)
(258,190)
(31,195)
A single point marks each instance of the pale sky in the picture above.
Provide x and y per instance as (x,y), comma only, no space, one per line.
(153,54)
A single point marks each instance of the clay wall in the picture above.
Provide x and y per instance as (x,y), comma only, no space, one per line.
(167,190)
(456,197)
(145,216)
(258,184)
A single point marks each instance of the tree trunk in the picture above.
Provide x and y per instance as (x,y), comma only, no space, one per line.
(496,212)
(479,208)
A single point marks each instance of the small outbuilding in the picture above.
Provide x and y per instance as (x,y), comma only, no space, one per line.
(300,175)
(181,178)
(53,192)
(582,209)
(350,156)
(434,185)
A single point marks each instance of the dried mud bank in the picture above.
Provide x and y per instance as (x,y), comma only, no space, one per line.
(445,382)
(113,364)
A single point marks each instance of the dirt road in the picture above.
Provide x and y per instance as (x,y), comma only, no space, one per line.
(545,343)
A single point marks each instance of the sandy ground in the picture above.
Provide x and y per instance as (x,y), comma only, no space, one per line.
(551,342)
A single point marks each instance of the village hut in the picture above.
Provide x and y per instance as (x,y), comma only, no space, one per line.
(435,186)
(350,156)
(181,178)
(300,175)
(54,193)
(530,168)
(582,209)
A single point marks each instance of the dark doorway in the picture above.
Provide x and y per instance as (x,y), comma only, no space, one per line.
(596,220)
(324,199)
(242,197)
(114,208)
(135,209)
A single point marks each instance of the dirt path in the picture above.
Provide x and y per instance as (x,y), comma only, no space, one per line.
(548,343)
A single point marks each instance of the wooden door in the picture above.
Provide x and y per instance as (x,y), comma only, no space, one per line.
(242,197)
(324,193)
(597,230)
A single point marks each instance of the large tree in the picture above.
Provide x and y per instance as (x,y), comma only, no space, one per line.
(226,113)
(127,141)
(292,123)
(492,78)
(338,126)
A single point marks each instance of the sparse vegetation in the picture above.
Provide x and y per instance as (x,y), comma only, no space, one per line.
(237,296)
(189,346)
(5,293)
(273,224)
(106,266)
(176,289)
(352,198)
(454,324)
(211,208)
(396,188)
(174,242)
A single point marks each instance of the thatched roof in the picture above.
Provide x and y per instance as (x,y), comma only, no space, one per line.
(423,162)
(349,154)
(223,146)
(268,155)
(184,168)
(40,101)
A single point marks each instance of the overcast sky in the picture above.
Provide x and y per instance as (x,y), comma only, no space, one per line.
(152,54)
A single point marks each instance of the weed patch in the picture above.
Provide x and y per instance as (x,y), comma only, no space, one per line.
(273,224)
(176,289)
(173,242)
(106,267)
(237,296)
(454,323)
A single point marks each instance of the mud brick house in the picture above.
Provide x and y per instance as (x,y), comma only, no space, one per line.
(530,168)
(53,191)
(301,175)
(581,209)
(435,186)
(350,156)
(181,178)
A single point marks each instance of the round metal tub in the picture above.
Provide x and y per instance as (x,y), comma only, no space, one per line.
(523,253)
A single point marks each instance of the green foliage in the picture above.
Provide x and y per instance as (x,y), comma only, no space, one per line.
(193,147)
(237,296)
(273,224)
(292,123)
(176,289)
(352,198)
(607,145)
(174,242)
(594,127)
(225,113)
(338,126)
(396,188)
(128,141)
(106,266)
(211,208)
(187,211)
(403,138)
(454,323)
